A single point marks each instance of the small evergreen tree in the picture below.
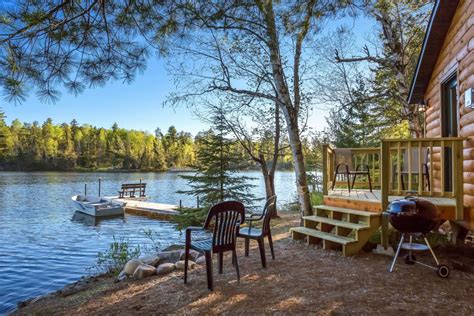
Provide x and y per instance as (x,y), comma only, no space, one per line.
(216,178)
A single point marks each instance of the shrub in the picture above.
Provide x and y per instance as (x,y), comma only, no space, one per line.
(119,253)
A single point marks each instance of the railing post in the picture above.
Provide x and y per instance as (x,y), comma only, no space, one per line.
(325,169)
(385,183)
(458,181)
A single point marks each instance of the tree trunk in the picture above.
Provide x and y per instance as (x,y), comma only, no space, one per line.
(290,110)
(269,180)
(299,166)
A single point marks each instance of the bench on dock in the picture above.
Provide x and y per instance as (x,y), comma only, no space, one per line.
(130,190)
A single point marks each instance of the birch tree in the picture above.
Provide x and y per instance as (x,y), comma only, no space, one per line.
(256,50)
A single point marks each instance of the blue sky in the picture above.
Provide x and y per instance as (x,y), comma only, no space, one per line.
(138,105)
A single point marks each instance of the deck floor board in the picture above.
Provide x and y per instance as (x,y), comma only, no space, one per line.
(376,196)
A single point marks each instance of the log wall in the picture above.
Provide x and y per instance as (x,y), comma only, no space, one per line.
(457,55)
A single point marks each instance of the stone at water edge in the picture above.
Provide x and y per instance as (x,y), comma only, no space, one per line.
(169,256)
(180,264)
(131,266)
(201,260)
(152,260)
(165,268)
(193,255)
(122,276)
(144,271)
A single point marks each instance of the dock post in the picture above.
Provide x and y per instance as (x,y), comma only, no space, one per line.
(85,188)
(99,186)
(197,201)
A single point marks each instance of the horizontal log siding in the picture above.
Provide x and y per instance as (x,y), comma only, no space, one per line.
(456,55)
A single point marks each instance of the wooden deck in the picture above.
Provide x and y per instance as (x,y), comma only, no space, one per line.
(363,199)
(376,196)
(153,210)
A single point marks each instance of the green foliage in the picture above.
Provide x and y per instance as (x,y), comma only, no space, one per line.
(3,134)
(357,124)
(190,217)
(119,253)
(317,198)
(72,147)
(74,44)
(217,165)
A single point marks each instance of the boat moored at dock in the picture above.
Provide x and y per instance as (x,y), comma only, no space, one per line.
(97,206)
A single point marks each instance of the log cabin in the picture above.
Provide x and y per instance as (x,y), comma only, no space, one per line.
(438,167)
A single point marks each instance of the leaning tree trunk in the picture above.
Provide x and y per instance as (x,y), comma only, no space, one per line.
(289,109)
(300,168)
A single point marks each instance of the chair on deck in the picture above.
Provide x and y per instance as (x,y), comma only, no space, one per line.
(225,218)
(259,234)
(343,160)
(415,166)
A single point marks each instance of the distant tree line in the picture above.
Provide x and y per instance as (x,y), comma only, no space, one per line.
(74,146)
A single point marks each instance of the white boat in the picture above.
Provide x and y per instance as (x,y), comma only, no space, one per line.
(97,206)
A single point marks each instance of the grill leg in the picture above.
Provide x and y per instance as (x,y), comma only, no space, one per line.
(431,250)
(396,254)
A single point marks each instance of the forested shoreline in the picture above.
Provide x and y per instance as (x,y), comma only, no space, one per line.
(49,146)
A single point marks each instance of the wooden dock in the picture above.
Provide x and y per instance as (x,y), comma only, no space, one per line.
(152,210)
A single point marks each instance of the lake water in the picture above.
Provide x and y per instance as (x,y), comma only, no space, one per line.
(44,245)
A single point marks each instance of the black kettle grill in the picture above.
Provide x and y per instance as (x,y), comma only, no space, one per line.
(413,217)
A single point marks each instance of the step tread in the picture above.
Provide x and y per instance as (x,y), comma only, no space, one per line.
(345,210)
(326,236)
(336,222)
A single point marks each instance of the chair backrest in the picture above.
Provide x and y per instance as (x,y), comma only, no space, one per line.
(343,155)
(226,217)
(414,152)
(268,210)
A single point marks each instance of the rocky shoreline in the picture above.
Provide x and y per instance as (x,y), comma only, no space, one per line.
(161,263)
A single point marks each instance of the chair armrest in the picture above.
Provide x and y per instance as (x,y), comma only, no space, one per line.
(189,230)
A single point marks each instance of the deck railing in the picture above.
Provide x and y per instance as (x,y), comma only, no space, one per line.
(367,156)
(435,163)
(430,167)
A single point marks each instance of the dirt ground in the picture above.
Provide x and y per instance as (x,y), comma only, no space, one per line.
(304,279)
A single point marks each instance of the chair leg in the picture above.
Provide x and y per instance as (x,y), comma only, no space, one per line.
(210,282)
(348,181)
(334,181)
(236,264)
(270,241)
(221,262)
(186,259)
(370,181)
(261,246)
(247,245)
(353,181)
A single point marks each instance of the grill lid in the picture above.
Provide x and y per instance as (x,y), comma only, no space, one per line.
(402,206)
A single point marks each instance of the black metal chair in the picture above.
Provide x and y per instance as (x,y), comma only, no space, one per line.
(343,160)
(225,218)
(259,234)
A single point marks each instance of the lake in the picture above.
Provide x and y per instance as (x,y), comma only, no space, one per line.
(44,245)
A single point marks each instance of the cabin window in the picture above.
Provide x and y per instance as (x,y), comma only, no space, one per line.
(449,125)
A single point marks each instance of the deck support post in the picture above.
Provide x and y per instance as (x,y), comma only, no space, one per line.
(458,181)
(325,169)
(385,183)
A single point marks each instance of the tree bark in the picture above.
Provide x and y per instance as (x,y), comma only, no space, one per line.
(300,168)
(269,180)
(290,110)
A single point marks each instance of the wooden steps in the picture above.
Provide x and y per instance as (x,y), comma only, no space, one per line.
(338,228)
(322,235)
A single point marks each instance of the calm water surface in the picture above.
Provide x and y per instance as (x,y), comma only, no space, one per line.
(44,245)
